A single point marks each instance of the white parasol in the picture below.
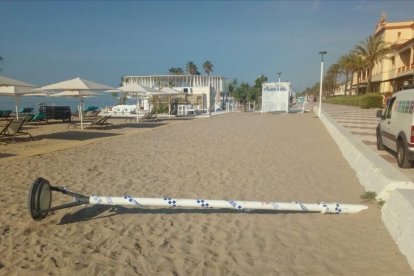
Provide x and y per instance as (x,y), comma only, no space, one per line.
(14,88)
(79,87)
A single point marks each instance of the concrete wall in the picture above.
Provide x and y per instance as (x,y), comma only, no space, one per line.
(376,174)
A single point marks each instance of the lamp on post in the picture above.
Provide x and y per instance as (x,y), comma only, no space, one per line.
(279,76)
(322,53)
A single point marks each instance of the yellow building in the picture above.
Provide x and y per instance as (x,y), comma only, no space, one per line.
(394,71)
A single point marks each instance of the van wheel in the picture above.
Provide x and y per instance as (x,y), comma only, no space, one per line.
(380,145)
(402,160)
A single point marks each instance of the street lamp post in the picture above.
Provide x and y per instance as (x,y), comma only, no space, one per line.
(322,53)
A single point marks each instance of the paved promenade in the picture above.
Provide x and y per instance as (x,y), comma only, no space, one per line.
(362,123)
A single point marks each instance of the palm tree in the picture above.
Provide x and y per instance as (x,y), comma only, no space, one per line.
(232,87)
(331,78)
(258,86)
(241,93)
(372,50)
(191,68)
(345,63)
(176,71)
(358,66)
(208,67)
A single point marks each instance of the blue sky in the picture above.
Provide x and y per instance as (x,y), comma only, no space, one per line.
(50,41)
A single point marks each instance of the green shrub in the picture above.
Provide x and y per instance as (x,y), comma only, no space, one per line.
(163,108)
(371,100)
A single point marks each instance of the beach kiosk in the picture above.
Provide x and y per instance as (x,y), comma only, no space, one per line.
(276,96)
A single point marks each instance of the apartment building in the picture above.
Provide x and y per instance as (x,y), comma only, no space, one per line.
(395,70)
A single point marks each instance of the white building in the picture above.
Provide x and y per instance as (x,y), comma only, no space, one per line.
(276,96)
(209,91)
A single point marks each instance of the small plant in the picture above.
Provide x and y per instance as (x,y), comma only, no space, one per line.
(381,203)
(368,196)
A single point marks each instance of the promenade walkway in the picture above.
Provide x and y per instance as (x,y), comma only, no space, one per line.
(362,123)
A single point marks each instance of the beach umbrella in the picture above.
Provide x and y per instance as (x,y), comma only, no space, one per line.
(40,199)
(5,81)
(14,88)
(79,86)
(80,94)
(76,84)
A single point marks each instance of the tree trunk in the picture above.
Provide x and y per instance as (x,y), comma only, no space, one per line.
(352,82)
(369,81)
(346,81)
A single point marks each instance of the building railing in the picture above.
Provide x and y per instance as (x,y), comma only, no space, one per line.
(403,69)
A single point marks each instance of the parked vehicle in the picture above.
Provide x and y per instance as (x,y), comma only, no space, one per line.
(395,129)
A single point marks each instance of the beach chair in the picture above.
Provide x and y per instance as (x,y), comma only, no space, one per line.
(5,114)
(28,117)
(91,115)
(39,118)
(15,129)
(3,128)
(151,116)
(101,122)
(26,110)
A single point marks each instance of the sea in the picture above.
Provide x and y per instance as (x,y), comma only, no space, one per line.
(106,99)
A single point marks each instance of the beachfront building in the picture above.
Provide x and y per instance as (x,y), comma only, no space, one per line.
(391,73)
(209,93)
(276,96)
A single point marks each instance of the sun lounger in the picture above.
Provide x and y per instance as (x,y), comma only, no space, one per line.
(28,117)
(15,129)
(5,113)
(26,110)
(3,128)
(91,115)
(151,116)
(39,118)
(99,122)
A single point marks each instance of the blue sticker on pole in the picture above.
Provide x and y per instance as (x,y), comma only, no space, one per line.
(235,205)
(172,202)
(133,200)
(203,203)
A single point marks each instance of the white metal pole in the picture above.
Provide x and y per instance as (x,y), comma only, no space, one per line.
(228,204)
(17,107)
(320,86)
(80,111)
(137,107)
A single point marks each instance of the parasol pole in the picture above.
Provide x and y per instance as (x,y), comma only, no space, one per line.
(17,107)
(40,198)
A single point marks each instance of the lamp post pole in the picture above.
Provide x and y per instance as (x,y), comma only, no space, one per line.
(279,76)
(322,53)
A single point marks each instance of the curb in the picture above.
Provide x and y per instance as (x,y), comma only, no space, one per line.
(376,174)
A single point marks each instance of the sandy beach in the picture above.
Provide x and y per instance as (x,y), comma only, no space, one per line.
(244,156)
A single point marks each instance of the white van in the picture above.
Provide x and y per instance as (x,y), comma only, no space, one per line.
(395,130)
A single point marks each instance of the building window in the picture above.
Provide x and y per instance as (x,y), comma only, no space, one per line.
(399,34)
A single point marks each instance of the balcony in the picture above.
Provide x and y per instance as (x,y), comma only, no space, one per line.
(404,69)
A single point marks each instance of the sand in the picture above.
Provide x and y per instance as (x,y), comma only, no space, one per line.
(244,156)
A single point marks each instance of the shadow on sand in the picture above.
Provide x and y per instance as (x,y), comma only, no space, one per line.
(4,155)
(97,212)
(76,135)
